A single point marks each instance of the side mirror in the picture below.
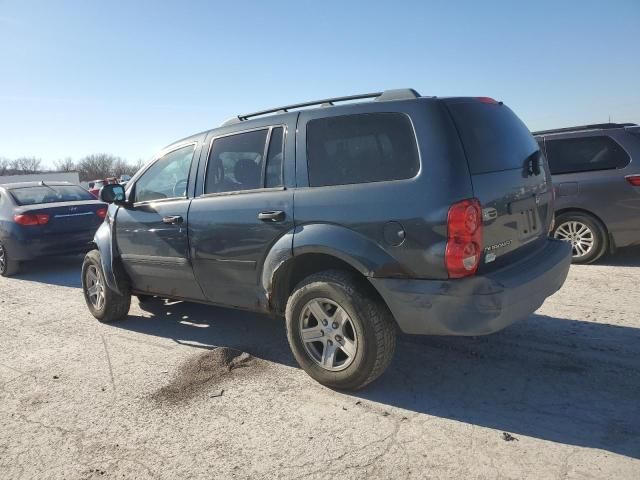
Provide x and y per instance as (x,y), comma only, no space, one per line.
(113,193)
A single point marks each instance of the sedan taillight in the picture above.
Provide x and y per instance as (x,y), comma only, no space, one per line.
(633,180)
(29,219)
(101,213)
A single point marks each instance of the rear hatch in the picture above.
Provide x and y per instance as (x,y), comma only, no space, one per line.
(509,175)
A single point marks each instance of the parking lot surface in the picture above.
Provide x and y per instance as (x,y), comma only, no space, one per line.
(190,391)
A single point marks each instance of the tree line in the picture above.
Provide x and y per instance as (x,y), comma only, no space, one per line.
(91,167)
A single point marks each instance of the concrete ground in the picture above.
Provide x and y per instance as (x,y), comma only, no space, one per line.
(169,393)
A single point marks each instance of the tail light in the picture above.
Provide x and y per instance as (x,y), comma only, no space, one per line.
(29,219)
(101,213)
(464,238)
(633,180)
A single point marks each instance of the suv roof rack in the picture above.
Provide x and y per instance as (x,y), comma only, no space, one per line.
(387,95)
(594,126)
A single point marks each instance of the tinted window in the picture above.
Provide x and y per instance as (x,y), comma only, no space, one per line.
(274,159)
(50,194)
(360,149)
(585,154)
(494,138)
(235,162)
(167,177)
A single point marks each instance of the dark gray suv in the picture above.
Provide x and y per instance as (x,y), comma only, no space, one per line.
(596,173)
(427,214)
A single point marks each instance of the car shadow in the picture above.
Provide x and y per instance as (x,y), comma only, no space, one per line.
(62,271)
(567,381)
(624,257)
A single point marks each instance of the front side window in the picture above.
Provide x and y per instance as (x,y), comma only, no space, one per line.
(166,178)
(571,155)
(362,148)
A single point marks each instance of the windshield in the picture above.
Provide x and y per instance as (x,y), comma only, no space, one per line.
(50,194)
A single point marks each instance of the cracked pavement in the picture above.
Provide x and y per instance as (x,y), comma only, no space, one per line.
(79,399)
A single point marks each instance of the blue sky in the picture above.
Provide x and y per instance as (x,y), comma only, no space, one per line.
(127,77)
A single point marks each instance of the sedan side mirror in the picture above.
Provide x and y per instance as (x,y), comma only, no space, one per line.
(113,193)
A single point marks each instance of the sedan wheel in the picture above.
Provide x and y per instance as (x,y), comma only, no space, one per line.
(579,234)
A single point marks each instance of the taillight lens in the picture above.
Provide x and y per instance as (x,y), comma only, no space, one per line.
(32,219)
(633,180)
(464,238)
(101,213)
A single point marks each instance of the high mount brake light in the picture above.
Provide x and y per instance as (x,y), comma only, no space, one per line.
(29,219)
(464,238)
(488,100)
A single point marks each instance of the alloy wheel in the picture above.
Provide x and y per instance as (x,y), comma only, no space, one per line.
(328,334)
(579,234)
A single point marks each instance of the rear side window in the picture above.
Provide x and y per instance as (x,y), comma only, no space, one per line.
(494,138)
(570,155)
(50,194)
(235,162)
(362,148)
(274,159)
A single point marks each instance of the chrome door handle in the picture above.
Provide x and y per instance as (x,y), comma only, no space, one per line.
(172,220)
(272,216)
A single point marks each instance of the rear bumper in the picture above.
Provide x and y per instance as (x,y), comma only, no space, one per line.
(50,245)
(477,305)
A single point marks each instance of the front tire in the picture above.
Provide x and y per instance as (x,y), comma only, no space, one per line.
(8,267)
(104,304)
(339,331)
(587,236)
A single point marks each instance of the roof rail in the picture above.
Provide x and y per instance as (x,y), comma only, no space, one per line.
(387,95)
(594,126)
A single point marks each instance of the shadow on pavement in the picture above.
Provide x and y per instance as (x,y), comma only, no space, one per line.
(565,381)
(624,257)
(62,271)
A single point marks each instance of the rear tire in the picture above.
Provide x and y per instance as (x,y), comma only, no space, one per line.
(587,235)
(104,304)
(353,341)
(8,267)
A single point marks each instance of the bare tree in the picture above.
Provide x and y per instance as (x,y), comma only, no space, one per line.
(65,165)
(4,166)
(96,166)
(26,165)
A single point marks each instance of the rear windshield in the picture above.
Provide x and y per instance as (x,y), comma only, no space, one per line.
(494,138)
(50,194)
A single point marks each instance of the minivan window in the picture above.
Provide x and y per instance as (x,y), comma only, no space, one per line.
(361,148)
(494,138)
(571,155)
(50,194)
(235,162)
(166,178)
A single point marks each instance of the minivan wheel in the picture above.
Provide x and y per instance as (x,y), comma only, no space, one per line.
(8,267)
(340,333)
(587,236)
(104,304)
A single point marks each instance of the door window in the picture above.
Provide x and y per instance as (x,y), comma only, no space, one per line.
(274,159)
(570,155)
(167,177)
(235,162)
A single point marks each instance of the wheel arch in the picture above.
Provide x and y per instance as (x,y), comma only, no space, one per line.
(317,247)
(104,242)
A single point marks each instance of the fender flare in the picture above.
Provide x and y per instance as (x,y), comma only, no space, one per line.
(105,243)
(349,246)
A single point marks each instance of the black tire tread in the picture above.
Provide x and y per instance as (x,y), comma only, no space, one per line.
(381,320)
(11,266)
(116,306)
